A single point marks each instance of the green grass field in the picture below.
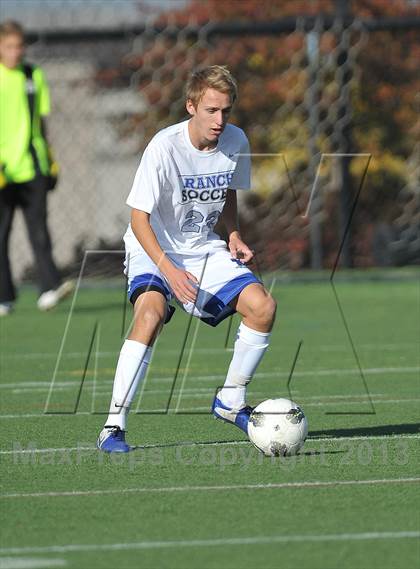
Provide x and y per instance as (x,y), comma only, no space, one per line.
(195,493)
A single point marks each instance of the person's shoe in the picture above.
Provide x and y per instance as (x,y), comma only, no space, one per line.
(112,439)
(6,308)
(51,298)
(238,417)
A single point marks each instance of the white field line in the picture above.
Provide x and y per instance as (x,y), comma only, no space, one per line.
(413,400)
(196,393)
(47,450)
(105,386)
(162,410)
(218,488)
(327,439)
(318,403)
(30,563)
(254,540)
(310,401)
(325,347)
(41,414)
(280,374)
(322,372)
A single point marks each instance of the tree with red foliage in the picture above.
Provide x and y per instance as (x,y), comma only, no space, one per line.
(272,73)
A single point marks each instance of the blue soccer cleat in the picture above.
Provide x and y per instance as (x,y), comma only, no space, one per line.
(239,417)
(112,439)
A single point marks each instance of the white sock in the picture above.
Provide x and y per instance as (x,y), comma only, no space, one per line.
(131,369)
(250,346)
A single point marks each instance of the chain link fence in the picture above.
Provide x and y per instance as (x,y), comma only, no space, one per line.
(327,102)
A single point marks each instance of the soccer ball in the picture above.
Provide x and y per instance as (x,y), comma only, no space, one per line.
(278,427)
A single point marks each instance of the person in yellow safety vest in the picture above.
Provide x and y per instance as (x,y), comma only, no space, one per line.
(27,170)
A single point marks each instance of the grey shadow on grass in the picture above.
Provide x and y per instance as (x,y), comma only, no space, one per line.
(377,430)
(222,443)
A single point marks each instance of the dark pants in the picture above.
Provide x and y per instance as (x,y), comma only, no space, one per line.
(32,198)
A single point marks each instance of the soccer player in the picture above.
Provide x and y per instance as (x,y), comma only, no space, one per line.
(25,167)
(187,179)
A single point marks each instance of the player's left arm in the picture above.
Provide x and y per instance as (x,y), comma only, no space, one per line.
(44,130)
(238,249)
(44,108)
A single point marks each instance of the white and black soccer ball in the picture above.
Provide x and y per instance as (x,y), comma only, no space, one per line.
(278,427)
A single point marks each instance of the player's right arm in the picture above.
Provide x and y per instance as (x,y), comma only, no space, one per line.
(144,196)
(178,279)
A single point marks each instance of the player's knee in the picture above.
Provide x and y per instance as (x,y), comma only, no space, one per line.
(151,318)
(270,308)
(265,309)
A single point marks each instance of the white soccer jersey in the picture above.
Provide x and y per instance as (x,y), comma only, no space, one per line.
(184,189)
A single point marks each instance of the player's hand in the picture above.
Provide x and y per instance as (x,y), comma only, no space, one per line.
(239,250)
(180,282)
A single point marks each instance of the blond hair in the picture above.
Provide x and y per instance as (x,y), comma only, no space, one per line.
(216,77)
(11,28)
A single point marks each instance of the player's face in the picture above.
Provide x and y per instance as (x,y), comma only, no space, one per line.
(211,115)
(12,49)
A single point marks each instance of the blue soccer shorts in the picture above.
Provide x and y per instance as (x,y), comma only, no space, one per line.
(220,278)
